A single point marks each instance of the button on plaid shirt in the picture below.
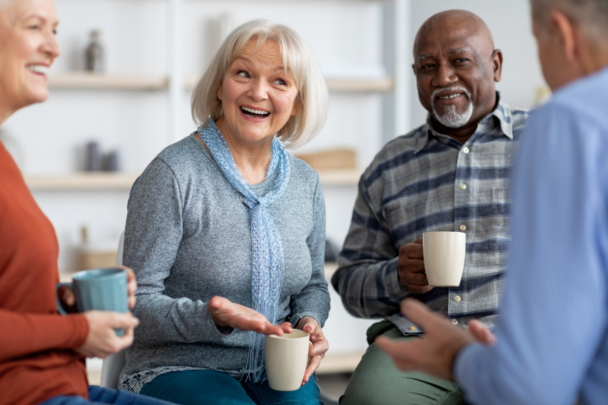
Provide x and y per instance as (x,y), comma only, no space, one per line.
(425,181)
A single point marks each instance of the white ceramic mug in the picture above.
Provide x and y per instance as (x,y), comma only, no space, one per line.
(444,254)
(286,359)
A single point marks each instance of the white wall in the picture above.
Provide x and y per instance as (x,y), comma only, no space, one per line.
(510,24)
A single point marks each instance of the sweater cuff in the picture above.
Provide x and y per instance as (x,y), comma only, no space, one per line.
(74,328)
(297,317)
(392,281)
(81,325)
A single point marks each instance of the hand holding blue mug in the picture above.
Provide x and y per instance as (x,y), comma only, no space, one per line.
(104,319)
(68,299)
(99,289)
(102,340)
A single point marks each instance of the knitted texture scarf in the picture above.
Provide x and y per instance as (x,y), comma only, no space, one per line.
(266,247)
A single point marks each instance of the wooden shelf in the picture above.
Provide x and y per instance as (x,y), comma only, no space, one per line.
(345,177)
(83,80)
(383,84)
(124,181)
(82,181)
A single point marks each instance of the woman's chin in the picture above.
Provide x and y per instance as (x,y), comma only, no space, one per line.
(36,96)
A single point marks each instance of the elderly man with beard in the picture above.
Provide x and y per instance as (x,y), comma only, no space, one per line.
(551,344)
(451,174)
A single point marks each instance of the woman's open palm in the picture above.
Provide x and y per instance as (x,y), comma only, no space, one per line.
(227,313)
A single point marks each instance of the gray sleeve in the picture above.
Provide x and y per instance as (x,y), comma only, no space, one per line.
(153,235)
(313,300)
(367,278)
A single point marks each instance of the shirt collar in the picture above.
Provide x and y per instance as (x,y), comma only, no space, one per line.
(502,113)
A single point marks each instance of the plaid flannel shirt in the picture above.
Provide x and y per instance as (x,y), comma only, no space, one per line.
(425,181)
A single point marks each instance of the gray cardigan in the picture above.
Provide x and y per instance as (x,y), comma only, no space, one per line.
(188,239)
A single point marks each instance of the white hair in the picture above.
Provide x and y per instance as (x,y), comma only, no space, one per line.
(450,117)
(590,15)
(297,57)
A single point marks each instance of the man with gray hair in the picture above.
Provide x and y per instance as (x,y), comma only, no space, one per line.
(451,174)
(551,344)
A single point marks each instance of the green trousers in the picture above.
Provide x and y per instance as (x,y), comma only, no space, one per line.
(377,381)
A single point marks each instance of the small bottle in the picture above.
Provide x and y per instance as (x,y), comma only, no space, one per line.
(93,157)
(94,54)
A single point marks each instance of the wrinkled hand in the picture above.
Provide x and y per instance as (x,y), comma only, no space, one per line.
(435,351)
(69,300)
(319,345)
(411,268)
(102,340)
(227,313)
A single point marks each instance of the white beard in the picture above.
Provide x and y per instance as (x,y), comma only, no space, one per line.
(450,117)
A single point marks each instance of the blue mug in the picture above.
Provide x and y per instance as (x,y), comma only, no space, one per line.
(100,290)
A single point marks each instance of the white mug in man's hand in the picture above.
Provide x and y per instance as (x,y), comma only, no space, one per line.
(444,254)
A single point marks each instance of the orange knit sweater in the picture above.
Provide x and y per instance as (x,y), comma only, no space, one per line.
(37,361)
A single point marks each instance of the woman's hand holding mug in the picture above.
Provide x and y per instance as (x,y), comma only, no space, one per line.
(319,346)
(102,339)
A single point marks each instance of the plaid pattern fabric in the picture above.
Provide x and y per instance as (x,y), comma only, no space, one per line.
(425,181)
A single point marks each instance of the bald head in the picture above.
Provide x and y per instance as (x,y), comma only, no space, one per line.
(456,67)
(455,24)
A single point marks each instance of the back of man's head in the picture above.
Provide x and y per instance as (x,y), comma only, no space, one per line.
(591,16)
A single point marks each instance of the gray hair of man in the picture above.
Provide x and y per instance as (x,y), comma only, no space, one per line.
(297,58)
(591,16)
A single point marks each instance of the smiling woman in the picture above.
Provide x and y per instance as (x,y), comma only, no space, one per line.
(226,230)
(27,35)
(41,352)
(288,53)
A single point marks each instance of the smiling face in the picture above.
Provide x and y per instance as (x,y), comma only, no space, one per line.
(27,35)
(456,67)
(258,96)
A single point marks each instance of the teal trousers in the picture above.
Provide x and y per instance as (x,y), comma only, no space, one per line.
(377,381)
(209,387)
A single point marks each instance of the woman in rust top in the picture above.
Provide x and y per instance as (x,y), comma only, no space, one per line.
(42,354)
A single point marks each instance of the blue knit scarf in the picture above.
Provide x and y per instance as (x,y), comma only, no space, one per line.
(266,247)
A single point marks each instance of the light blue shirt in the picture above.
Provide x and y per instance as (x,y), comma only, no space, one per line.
(553,325)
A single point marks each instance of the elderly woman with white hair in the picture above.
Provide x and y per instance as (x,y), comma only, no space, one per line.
(226,230)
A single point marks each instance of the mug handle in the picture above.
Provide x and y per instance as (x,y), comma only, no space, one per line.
(60,307)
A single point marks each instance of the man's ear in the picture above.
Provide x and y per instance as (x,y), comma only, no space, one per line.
(567,34)
(414,68)
(497,64)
